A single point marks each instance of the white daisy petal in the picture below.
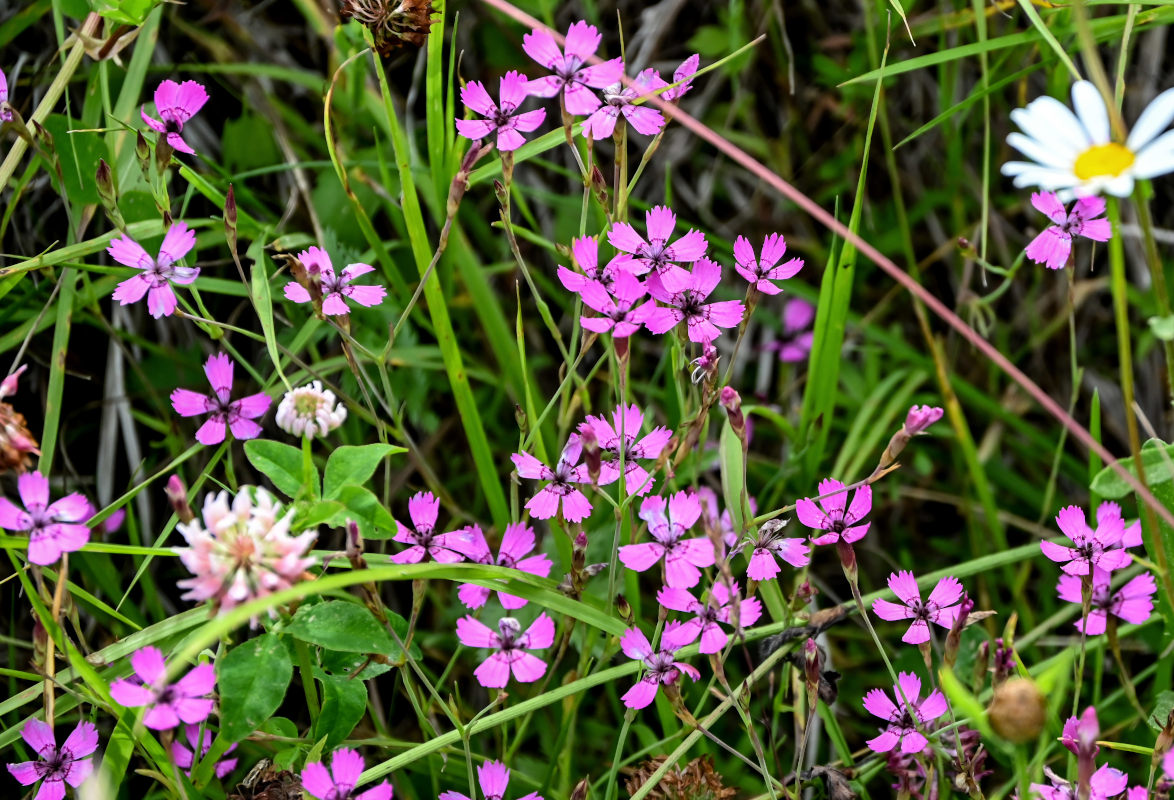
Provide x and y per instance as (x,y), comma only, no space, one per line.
(1120,186)
(1157,115)
(1090,107)
(1045,178)
(1157,158)
(1038,152)
(1059,125)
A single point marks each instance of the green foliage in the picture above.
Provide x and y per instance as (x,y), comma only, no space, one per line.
(254,677)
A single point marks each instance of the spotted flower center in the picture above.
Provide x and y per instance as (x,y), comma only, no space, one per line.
(1103,159)
(55,765)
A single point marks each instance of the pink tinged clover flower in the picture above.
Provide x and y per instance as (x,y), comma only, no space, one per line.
(338,783)
(168,704)
(834,515)
(688,305)
(517,542)
(1092,549)
(905,716)
(183,755)
(494,779)
(336,289)
(426,543)
(628,419)
(687,68)
(175,103)
(656,254)
(761,271)
(509,644)
(561,489)
(237,415)
(683,557)
(158,273)
(1051,248)
(1132,603)
(56,766)
(53,528)
(708,615)
(940,608)
(617,101)
(570,76)
(660,666)
(585,251)
(501,117)
(620,311)
(769,545)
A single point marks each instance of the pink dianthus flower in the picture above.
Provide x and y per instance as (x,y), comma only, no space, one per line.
(940,608)
(516,544)
(1052,247)
(561,488)
(169,704)
(53,528)
(494,779)
(687,68)
(656,254)
(338,783)
(660,666)
(158,273)
(336,289)
(904,717)
(633,447)
(176,103)
(509,645)
(237,415)
(1132,603)
(667,524)
(618,100)
(571,75)
(1101,548)
(768,545)
(840,521)
(761,271)
(426,543)
(703,320)
(56,766)
(585,251)
(708,615)
(503,117)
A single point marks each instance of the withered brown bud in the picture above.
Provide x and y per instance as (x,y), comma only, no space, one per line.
(1018,710)
(394,24)
(592,455)
(580,790)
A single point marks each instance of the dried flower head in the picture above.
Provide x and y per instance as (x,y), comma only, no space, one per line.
(696,780)
(392,24)
(310,411)
(1018,710)
(16,442)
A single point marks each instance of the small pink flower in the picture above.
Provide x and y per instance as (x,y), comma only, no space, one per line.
(426,543)
(683,557)
(517,542)
(656,254)
(1093,549)
(561,489)
(494,779)
(53,528)
(508,644)
(1109,512)
(717,519)
(834,515)
(501,117)
(184,755)
(6,114)
(688,305)
(905,716)
(157,273)
(184,700)
(56,766)
(585,251)
(629,419)
(769,545)
(570,76)
(1168,763)
(795,342)
(660,666)
(1132,603)
(688,67)
(336,289)
(238,415)
(921,417)
(1106,782)
(175,103)
(1052,247)
(761,271)
(940,608)
(620,311)
(1080,734)
(708,615)
(618,100)
(346,767)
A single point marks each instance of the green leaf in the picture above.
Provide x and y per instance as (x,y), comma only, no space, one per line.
(320,513)
(1163,708)
(78,154)
(343,665)
(128,12)
(344,702)
(254,677)
(1162,327)
(359,504)
(341,625)
(1156,457)
(280,463)
(354,466)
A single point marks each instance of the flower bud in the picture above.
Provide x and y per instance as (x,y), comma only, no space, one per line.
(954,637)
(143,154)
(354,540)
(580,790)
(8,385)
(1018,710)
(592,455)
(230,216)
(731,401)
(812,663)
(921,417)
(805,592)
(1004,662)
(624,608)
(981,663)
(177,495)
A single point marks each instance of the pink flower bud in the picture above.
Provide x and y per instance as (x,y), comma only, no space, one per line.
(731,401)
(8,385)
(177,495)
(921,417)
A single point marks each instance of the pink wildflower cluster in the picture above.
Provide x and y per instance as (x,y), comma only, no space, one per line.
(1080,736)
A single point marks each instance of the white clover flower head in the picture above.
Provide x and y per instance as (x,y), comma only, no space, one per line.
(1075,154)
(310,411)
(243,551)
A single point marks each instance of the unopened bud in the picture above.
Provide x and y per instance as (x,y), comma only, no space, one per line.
(954,637)
(981,663)
(580,790)
(163,152)
(1018,710)
(105,181)
(1004,662)
(592,455)
(624,608)
(8,385)
(354,540)
(177,495)
(520,417)
(805,592)
(921,417)
(44,136)
(143,154)
(599,185)
(812,663)
(731,401)
(230,215)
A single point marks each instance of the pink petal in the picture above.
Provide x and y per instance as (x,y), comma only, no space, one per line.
(477,98)
(576,506)
(25,773)
(530,467)
(132,289)
(316,780)
(346,766)
(690,247)
(529,120)
(494,778)
(178,242)
(540,634)
(600,76)
(296,292)
(932,707)
(623,236)
(190,404)
(152,123)
(913,742)
(334,305)
(352,271)
(601,123)
(677,599)
(1072,522)
(512,90)
(582,40)
(762,566)
(517,541)
(149,665)
(212,432)
(580,100)
(1099,230)
(548,86)
(252,406)
(641,557)
(663,320)
(811,515)
(744,254)
(201,680)
(509,139)
(178,144)
(890,611)
(949,590)
(1051,248)
(541,47)
(130,694)
(474,633)
(82,741)
(165,95)
(161,301)
(527,668)
(904,585)
(861,504)
(643,119)
(884,743)
(39,736)
(494,672)
(1048,204)
(163,717)
(244,429)
(128,252)
(189,98)
(423,508)
(219,369)
(878,703)
(635,644)
(713,639)
(918,633)
(472,596)
(679,572)
(641,695)
(544,504)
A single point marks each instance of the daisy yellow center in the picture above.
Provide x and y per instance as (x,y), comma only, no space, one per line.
(1103,159)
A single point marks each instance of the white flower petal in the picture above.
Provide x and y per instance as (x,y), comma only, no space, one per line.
(1046,178)
(1119,186)
(1157,115)
(1055,123)
(1090,107)
(1157,158)
(1038,152)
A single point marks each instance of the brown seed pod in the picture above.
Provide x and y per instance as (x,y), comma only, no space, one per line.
(1018,710)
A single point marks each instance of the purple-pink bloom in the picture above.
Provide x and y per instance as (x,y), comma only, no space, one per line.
(175,103)
(620,311)
(426,543)
(688,305)
(660,666)
(618,100)
(5,113)
(1168,763)
(53,528)
(184,700)
(768,545)
(795,342)
(158,273)
(184,754)
(494,779)
(585,251)
(667,524)
(1052,247)
(940,608)
(688,67)
(56,766)
(561,489)
(1093,549)
(238,415)
(516,544)
(766,268)
(509,645)
(904,717)
(1106,782)
(1132,603)
(338,783)
(570,76)
(708,615)
(336,289)
(629,420)
(835,515)
(501,117)
(717,519)
(656,254)
(921,417)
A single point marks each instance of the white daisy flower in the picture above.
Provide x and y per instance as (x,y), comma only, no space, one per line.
(1074,155)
